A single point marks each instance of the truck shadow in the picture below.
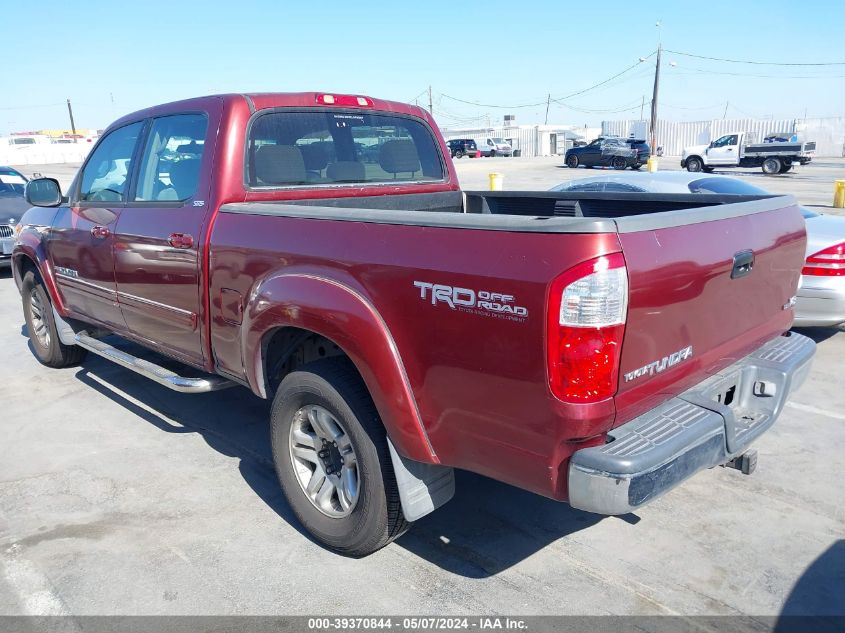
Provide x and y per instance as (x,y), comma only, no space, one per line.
(489,526)
(485,529)
(820,334)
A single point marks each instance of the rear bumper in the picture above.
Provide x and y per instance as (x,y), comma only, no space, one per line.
(822,304)
(705,426)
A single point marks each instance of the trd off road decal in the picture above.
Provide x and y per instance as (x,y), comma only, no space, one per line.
(480,302)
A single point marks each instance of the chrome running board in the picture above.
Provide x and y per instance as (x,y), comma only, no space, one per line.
(154,372)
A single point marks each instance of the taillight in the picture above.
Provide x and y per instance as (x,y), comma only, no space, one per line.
(827,263)
(588,306)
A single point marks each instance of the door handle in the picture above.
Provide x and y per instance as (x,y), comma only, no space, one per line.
(100,232)
(180,240)
(743,264)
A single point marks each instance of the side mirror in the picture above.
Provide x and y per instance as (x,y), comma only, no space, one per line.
(43,192)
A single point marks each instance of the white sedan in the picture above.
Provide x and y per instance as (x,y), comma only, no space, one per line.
(821,297)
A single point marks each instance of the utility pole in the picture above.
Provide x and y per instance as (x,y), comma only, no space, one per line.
(642,107)
(548,101)
(725,115)
(72,124)
(430,107)
(652,128)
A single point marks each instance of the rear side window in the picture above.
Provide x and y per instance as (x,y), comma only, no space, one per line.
(332,147)
(725,186)
(107,170)
(170,167)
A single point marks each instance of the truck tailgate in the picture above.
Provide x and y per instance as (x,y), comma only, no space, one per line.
(693,307)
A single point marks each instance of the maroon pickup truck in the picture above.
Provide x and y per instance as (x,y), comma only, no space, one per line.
(317,249)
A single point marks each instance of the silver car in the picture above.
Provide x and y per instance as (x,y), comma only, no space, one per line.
(12,207)
(821,296)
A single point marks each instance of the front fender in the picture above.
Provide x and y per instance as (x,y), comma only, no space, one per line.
(343,315)
(30,245)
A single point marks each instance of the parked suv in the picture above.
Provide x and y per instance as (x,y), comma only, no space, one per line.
(642,149)
(460,147)
(603,152)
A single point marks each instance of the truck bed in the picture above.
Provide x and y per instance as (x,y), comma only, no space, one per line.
(480,380)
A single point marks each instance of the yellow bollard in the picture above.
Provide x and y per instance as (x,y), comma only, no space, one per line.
(496,181)
(839,194)
(651,164)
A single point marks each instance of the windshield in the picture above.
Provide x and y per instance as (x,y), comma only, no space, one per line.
(11,182)
(330,147)
(499,141)
(725,185)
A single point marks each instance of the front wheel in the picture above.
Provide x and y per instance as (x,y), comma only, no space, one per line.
(772,166)
(694,164)
(572,161)
(459,154)
(41,326)
(331,456)
(492,153)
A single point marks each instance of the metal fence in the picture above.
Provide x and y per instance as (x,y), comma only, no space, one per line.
(829,133)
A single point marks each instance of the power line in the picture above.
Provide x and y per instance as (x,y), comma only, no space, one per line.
(759,63)
(601,83)
(555,99)
(705,71)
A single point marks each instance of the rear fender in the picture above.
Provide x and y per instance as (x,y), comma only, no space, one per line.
(343,315)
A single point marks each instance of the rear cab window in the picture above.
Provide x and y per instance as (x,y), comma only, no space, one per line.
(310,148)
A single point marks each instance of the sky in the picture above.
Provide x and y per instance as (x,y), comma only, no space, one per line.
(110,58)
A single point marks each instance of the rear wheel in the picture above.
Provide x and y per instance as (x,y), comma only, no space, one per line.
(41,326)
(694,164)
(787,165)
(332,460)
(618,162)
(772,166)
(572,161)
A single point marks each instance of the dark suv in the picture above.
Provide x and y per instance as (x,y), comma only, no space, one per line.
(643,151)
(460,147)
(604,152)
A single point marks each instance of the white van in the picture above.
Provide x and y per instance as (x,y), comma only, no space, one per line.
(492,146)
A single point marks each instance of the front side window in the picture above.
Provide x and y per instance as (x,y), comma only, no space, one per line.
(323,147)
(107,172)
(726,141)
(170,167)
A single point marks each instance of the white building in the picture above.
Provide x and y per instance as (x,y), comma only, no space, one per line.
(528,140)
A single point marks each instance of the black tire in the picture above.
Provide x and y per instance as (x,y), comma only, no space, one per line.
(41,326)
(618,162)
(459,154)
(694,164)
(772,165)
(636,166)
(492,153)
(708,170)
(786,166)
(572,161)
(376,518)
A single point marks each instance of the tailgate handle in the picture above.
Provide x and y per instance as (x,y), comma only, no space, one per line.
(743,264)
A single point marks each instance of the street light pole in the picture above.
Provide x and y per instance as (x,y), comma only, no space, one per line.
(72,125)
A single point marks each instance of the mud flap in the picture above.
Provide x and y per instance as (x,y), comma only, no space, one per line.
(422,487)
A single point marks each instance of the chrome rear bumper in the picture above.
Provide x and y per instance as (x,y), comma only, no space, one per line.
(703,427)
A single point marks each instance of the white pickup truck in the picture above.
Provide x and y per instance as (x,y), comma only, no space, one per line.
(732,150)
